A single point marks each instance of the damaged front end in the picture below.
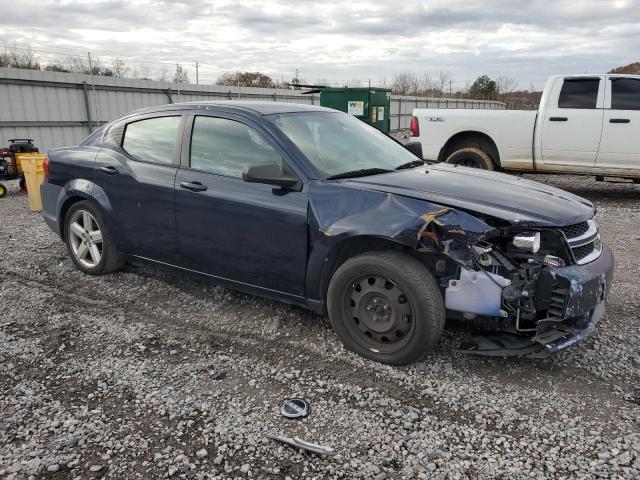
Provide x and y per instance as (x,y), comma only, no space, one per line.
(539,290)
(533,288)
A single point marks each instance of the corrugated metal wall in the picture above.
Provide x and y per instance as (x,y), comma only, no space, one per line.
(58,109)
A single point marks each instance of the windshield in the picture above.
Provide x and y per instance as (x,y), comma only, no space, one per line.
(336,143)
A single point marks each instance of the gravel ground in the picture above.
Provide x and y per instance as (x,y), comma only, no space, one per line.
(145,374)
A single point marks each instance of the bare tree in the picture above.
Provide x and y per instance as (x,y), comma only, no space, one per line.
(19,58)
(506,84)
(426,85)
(180,75)
(405,83)
(120,68)
(444,81)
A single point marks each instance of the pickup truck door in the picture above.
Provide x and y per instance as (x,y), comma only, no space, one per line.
(248,233)
(572,122)
(620,145)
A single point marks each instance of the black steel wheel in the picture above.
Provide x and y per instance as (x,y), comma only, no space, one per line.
(381,313)
(386,306)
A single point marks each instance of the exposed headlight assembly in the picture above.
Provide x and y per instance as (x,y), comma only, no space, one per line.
(529,241)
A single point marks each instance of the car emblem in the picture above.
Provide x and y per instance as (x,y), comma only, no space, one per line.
(295,408)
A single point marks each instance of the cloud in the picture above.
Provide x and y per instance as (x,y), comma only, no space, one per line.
(337,40)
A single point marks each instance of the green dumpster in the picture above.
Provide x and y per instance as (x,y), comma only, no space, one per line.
(371,105)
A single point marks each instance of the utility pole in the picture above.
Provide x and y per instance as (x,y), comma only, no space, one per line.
(450,87)
(197,79)
(93,88)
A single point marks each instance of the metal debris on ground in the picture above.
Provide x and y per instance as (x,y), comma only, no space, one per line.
(299,443)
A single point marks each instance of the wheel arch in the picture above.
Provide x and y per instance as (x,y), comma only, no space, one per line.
(77,191)
(471,138)
(357,245)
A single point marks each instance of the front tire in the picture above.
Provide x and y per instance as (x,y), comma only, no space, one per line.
(471,157)
(88,240)
(386,306)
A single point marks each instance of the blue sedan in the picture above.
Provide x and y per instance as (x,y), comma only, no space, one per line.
(313,207)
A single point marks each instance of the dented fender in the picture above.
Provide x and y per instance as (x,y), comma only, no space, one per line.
(338,213)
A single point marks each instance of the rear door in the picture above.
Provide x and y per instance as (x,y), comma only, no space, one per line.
(572,122)
(620,146)
(136,170)
(249,233)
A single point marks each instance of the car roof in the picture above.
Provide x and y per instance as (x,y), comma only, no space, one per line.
(259,107)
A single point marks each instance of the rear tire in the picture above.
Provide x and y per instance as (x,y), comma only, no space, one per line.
(3,191)
(471,157)
(386,306)
(88,240)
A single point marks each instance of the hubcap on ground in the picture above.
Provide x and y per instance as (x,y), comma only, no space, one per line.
(85,238)
(380,314)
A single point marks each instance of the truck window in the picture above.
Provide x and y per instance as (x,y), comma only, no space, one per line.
(625,93)
(579,93)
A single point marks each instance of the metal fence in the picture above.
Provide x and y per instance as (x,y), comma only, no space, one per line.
(58,109)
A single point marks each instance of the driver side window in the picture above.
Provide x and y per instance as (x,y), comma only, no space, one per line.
(226,147)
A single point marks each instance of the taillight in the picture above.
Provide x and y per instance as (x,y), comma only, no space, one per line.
(45,167)
(414,128)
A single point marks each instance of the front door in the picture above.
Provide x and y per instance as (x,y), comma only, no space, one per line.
(620,146)
(136,170)
(249,233)
(572,125)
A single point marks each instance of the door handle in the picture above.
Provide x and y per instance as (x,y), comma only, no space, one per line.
(109,170)
(619,120)
(193,186)
(558,119)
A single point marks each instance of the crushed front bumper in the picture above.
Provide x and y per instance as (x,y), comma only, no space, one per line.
(584,289)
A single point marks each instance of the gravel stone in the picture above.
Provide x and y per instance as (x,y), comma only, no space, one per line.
(120,372)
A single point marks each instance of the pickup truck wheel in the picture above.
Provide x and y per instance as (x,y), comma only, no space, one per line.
(88,240)
(471,157)
(386,306)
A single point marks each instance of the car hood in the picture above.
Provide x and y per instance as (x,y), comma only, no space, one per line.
(511,198)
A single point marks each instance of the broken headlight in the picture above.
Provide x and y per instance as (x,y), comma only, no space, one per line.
(529,241)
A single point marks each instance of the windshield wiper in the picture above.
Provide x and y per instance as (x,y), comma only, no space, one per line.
(411,164)
(363,172)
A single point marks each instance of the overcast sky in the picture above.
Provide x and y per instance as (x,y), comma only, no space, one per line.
(338,41)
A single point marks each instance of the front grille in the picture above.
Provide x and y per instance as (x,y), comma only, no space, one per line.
(584,240)
(576,230)
(580,252)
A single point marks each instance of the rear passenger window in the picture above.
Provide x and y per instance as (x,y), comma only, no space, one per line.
(625,94)
(579,93)
(226,147)
(152,140)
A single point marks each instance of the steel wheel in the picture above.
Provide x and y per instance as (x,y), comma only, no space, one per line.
(85,238)
(381,314)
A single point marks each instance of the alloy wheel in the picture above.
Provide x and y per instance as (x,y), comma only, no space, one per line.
(85,238)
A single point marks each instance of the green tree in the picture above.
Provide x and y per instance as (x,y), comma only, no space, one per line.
(484,87)
(246,79)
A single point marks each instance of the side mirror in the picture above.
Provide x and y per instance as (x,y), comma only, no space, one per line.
(415,148)
(271,174)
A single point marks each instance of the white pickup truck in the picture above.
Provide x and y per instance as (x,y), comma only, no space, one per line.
(586,124)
